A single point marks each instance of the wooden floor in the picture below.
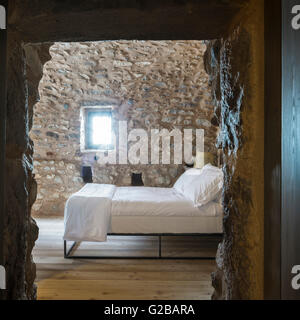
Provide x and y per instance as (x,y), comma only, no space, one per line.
(58,278)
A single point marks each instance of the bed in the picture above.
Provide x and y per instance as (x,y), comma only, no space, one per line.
(192,207)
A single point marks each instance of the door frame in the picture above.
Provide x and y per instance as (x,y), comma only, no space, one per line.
(272,176)
(3,77)
(272,153)
(290,217)
(282,238)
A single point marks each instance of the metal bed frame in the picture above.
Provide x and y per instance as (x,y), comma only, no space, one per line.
(68,252)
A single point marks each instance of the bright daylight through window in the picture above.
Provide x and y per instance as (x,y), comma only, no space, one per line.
(101,130)
(97,129)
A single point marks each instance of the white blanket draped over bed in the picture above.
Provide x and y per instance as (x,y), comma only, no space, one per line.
(88,212)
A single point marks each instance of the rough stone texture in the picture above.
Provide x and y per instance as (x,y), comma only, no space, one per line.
(16,219)
(239,105)
(20,229)
(212,67)
(36,57)
(150,84)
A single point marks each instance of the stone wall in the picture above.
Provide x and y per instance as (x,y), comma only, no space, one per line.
(236,67)
(20,230)
(149,84)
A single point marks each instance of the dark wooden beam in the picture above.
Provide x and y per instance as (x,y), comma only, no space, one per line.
(290,232)
(127,19)
(272,250)
(3,47)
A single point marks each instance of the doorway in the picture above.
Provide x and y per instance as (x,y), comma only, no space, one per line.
(236,23)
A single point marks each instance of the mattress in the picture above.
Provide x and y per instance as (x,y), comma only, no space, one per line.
(160,202)
(144,210)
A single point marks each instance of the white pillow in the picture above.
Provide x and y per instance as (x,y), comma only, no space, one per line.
(184,180)
(211,167)
(193,172)
(203,188)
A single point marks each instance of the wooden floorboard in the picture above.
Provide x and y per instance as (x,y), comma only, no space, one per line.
(61,279)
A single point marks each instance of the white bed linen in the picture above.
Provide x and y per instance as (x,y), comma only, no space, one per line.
(163,202)
(201,186)
(88,213)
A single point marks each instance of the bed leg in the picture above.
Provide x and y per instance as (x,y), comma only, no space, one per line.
(65,249)
(159,244)
(67,253)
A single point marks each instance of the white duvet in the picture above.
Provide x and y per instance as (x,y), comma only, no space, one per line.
(88,212)
(163,202)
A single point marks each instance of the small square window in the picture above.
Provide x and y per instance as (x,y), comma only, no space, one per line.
(97,131)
